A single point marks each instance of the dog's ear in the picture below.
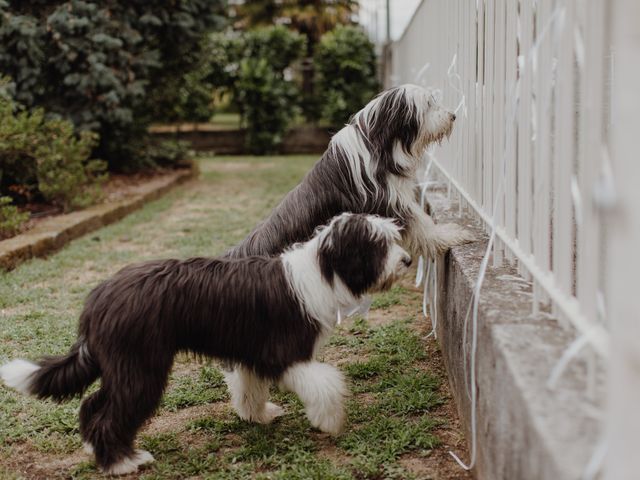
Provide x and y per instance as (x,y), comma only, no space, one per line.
(394,120)
(353,253)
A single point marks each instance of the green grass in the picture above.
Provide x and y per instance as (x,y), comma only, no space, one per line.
(40,302)
(390,298)
(189,391)
(227,121)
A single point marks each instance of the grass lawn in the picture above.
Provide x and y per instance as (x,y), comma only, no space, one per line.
(401,422)
(226,121)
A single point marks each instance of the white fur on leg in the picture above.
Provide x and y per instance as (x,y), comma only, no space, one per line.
(130,464)
(249,394)
(322,389)
(87,447)
(17,374)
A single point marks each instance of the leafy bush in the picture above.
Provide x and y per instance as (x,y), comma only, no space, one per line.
(10,218)
(345,64)
(45,158)
(268,104)
(255,67)
(168,153)
(193,100)
(108,67)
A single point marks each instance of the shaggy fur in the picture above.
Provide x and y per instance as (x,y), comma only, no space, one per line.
(267,316)
(370,167)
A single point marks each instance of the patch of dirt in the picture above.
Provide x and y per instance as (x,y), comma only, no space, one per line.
(176,421)
(27,462)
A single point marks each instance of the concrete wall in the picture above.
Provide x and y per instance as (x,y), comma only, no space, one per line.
(204,137)
(524,430)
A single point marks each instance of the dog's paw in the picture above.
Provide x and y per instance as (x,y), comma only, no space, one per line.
(130,464)
(87,447)
(270,413)
(266,414)
(447,235)
(142,457)
(330,421)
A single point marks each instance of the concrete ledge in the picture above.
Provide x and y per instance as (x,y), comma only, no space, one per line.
(525,430)
(53,233)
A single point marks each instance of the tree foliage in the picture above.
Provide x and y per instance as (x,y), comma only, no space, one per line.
(108,67)
(311,18)
(345,64)
(253,67)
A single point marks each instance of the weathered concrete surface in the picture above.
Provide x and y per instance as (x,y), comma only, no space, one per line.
(209,138)
(53,233)
(525,430)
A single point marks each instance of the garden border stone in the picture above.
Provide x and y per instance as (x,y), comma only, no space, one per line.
(232,141)
(55,232)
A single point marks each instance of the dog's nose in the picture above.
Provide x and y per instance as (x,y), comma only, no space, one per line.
(453,117)
(406,260)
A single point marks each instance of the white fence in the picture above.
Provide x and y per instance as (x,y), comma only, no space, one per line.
(531,83)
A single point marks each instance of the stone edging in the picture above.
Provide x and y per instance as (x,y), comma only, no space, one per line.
(207,138)
(53,233)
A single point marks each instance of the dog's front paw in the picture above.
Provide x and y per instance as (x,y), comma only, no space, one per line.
(270,413)
(447,235)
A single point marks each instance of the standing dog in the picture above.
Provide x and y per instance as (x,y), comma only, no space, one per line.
(369,167)
(267,316)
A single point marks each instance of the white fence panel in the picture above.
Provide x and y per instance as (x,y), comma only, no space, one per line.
(619,200)
(531,155)
(529,149)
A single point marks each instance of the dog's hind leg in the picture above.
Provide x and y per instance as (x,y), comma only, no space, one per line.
(88,409)
(322,389)
(249,395)
(111,417)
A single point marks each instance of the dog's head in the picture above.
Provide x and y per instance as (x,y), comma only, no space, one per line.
(404,119)
(362,251)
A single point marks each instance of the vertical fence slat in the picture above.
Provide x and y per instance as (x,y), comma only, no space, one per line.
(524,131)
(480,106)
(563,150)
(498,123)
(471,88)
(487,131)
(591,155)
(542,146)
(623,238)
(509,122)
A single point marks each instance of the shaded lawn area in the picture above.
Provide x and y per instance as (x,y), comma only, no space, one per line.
(400,416)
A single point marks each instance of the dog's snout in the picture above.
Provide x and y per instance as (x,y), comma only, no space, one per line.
(453,117)
(406,260)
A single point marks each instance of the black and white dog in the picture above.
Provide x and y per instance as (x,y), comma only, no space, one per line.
(267,316)
(371,167)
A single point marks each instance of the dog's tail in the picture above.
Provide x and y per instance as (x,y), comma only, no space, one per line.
(59,378)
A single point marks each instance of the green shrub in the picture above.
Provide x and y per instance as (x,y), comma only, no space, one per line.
(168,154)
(268,104)
(345,65)
(45,158)
(194,98)
(10,218)
(255,68)
(109,67)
